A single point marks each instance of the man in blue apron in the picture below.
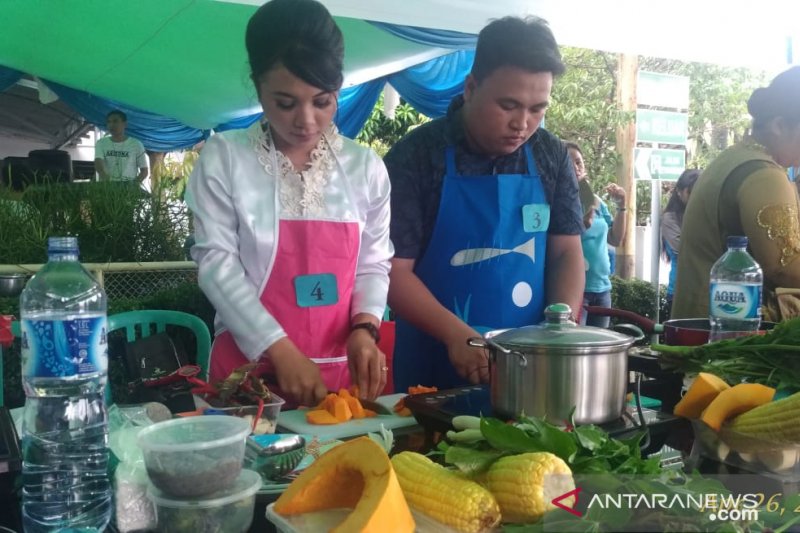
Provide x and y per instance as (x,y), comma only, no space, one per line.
(486,219)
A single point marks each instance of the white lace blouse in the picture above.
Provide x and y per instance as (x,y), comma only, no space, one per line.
(239,190)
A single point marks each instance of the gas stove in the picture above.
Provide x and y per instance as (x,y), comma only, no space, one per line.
(435,411)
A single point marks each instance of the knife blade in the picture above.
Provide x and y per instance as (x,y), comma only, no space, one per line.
(375,406)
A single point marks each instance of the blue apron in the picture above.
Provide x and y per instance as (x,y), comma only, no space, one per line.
(484,262)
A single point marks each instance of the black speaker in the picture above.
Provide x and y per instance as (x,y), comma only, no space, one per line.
(16,173)
(50,165)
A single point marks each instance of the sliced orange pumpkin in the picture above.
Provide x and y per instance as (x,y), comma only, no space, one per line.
(341,410)
(321,417)
(356,475)
(704,389)
(355,407)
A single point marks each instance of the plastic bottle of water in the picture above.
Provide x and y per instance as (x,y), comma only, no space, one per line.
(64,367)
(735,293)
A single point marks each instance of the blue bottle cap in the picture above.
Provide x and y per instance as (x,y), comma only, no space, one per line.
(737,241)
(62,245)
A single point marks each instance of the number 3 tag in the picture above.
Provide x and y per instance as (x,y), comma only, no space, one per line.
(316,290)
(535,217)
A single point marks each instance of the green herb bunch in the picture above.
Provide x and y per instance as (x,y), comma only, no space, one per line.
(771,359)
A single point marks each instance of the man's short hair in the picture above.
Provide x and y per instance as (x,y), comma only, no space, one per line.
(526,43)
(123,117)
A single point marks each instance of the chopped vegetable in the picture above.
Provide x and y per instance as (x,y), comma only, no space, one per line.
(705,388)
(735,400)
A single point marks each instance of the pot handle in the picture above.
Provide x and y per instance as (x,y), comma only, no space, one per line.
(629,329)
(649,326)
(477,342)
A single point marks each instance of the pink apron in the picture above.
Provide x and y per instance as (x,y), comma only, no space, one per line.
(309,293)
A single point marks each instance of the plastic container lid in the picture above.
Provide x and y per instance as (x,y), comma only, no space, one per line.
(193,433)
(246,485)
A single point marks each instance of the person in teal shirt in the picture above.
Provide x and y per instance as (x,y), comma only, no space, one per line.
(601,229)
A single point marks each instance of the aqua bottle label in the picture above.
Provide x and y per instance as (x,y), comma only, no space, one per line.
(70,348)
(735,300)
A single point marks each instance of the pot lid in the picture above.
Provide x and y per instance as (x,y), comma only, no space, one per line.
(559,330)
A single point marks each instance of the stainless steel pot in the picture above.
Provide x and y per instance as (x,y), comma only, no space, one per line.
(549,369)
(11,285)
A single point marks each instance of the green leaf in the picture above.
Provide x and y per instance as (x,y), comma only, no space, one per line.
(508,438)
(551,438)
(590,437)
(470,460)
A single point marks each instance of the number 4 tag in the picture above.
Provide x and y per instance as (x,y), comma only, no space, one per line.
(315,290)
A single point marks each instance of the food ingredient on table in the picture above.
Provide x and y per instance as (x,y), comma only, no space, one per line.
(700,394)
(775,422)
(525,485)
(241,387)
(400,407)
(192,474)
(734,401)
(444,495)
(769,359)
(338,408)
(235,517)
(356,475)
(600,464)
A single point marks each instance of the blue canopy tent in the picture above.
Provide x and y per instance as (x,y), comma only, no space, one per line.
(179,68)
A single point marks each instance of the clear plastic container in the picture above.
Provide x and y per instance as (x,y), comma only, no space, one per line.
(771,459)
(195,456)
(269,415)
(230,510)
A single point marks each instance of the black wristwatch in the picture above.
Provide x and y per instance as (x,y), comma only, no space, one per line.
(371,329)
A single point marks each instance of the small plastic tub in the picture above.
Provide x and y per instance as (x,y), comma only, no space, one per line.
(195,456)
(230,510)
(269,415)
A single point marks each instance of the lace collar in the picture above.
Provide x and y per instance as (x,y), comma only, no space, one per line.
(300,193)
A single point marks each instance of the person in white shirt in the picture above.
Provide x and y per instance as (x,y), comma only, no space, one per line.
(119,157)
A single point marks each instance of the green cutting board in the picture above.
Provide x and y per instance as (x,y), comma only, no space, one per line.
(295,422)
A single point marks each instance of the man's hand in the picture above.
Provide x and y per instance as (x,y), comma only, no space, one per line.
(298,376)
(367,364)
(470,363)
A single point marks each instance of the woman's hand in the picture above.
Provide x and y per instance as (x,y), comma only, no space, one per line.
(298,376)
(367,364)
(616,193)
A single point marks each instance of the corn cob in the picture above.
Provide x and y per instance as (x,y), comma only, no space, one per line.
(773,422)
(444,495)
(526,484)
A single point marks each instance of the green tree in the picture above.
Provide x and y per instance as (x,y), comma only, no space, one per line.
(380,132)
(584,110)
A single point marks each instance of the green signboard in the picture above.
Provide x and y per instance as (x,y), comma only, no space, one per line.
(665,127)
(653,163)
(662,90)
